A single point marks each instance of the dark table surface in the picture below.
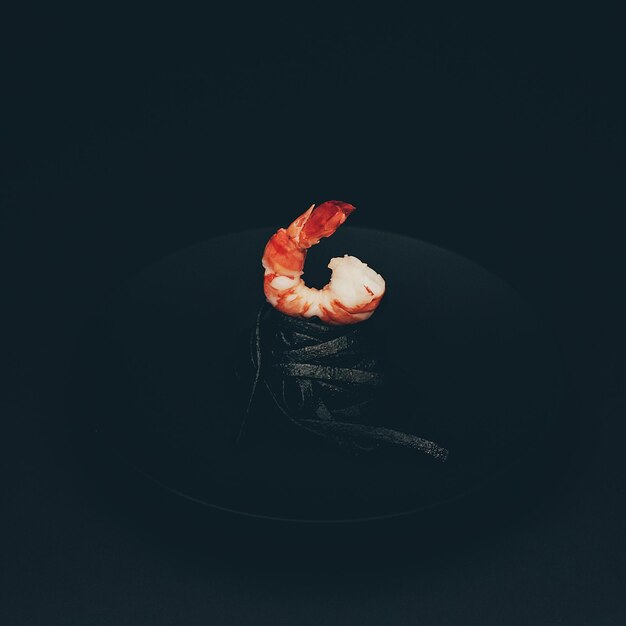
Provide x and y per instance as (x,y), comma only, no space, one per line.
(497,136)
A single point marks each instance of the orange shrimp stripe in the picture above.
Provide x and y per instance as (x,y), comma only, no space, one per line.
(282,255)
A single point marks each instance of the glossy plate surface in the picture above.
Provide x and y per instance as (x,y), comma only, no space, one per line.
(159,391)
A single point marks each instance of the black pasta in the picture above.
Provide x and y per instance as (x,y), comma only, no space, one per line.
(325,379)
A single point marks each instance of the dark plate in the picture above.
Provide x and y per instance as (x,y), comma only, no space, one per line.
(159,393)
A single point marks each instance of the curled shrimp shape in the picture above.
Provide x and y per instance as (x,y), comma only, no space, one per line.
(354,290)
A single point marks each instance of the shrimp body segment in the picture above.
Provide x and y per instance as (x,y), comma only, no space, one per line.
(354,290)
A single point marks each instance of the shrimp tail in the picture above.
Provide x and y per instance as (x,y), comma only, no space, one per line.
(318,222)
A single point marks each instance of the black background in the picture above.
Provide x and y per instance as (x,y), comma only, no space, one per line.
(498,135)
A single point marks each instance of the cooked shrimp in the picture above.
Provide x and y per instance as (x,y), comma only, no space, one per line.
(354,290)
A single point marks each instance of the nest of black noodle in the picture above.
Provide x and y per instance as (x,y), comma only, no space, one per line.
(326,380)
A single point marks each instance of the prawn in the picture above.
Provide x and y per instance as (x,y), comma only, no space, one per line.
(354,290)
